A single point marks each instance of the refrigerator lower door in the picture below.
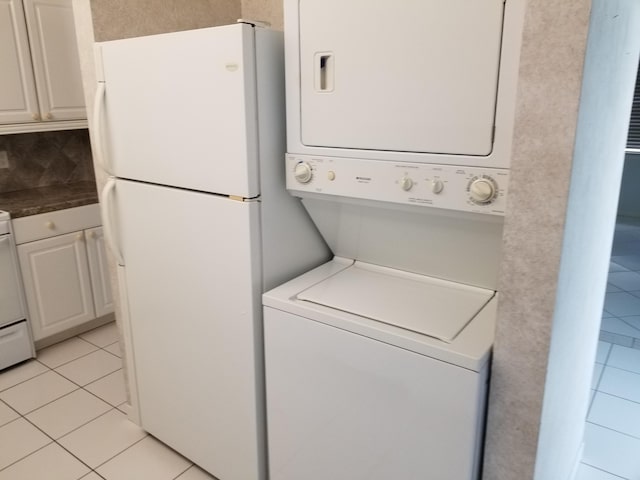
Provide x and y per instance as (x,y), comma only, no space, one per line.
(193,284)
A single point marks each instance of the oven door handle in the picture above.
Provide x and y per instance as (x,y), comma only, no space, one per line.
(107,220)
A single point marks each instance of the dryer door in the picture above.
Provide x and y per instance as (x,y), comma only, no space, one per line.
(421,78)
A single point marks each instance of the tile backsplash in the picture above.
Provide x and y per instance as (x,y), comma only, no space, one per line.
(45,159)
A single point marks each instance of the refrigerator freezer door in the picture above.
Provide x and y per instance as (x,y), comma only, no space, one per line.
(180,109)
(421,79)
(193,284)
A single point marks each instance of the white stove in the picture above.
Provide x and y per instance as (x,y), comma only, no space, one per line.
(16,344)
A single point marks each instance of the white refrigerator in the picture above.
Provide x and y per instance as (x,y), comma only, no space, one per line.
(190,125)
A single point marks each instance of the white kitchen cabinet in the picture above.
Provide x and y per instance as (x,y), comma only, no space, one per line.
(64,269)
(99,271)
(18,100)
(41,84)
(57,284)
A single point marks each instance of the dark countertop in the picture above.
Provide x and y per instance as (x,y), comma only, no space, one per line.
(33,201)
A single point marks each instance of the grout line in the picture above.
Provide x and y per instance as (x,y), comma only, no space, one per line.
(86,423)
(73,359)
(57,443)
(604,471)
(29,454)
(49,402)
(98,396)
(608,354)
(184,471)
(613,430)
(617,396)
(30,378)
(101,378)
(624,370)
(95,379)
(122,451)
(591,401)
(605,426)
(622,319)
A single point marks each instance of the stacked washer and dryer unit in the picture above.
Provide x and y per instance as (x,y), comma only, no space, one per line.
(399,127)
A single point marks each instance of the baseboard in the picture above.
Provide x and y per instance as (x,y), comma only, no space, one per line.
(72,332)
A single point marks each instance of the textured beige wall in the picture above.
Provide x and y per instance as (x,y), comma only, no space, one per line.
(552,56)
(264,10)
(114,19)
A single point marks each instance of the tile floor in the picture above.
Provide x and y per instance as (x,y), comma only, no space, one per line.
(612,434)
(61,419)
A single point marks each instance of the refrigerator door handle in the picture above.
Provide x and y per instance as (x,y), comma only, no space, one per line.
(98,103)
(105,205)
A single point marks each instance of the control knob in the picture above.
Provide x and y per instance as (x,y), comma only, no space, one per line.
(302,172)
(437,186)
(482,190)
(406,184)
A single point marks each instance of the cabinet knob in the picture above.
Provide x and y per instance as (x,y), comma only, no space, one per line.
(36,116)
(50,225)
(79,236)
(92,235)
(48,116)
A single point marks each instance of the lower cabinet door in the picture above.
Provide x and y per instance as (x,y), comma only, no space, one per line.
(99,269)
(57,283)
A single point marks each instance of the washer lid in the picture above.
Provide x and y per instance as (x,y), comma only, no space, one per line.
(426,305)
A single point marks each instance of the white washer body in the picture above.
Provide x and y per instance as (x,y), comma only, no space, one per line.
(353,398)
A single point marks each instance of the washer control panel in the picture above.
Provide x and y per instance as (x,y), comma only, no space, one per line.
(470,189)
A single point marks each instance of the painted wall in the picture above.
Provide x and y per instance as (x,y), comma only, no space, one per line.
(630,190)
(264,10)
(115,19)
(612,58)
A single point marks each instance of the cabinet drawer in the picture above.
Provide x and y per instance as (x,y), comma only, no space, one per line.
(15,344)
(37,227)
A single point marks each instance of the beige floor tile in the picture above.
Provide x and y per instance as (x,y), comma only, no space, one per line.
(115,434)
(115,349)
(36,392)
(102,336)
(195,473)
(91,476)
(49,463)
(110,388)
(91,367)
(68,413)
(7,414)
(148,459)
(20,373)
(18,439)
(64,352)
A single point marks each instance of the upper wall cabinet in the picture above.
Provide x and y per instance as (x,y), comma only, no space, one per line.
(40,85)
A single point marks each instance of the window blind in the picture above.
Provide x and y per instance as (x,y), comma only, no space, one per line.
(633,141)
